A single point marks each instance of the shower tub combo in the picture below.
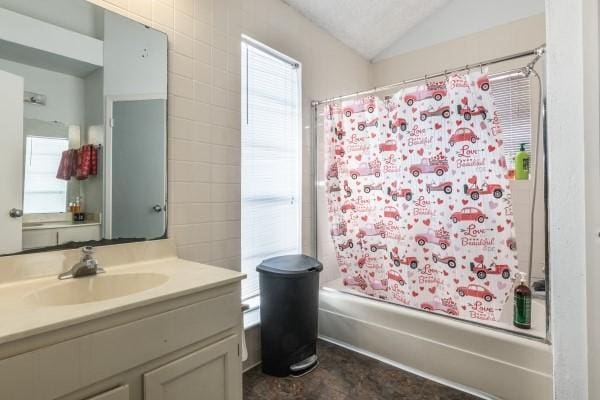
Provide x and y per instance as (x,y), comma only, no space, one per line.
(495,360)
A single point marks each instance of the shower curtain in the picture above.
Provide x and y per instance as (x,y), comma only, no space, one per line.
(419,205)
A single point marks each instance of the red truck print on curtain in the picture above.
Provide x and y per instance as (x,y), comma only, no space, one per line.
(365,169)
(359,106)
(339,229)
(365,124)
(398,122)
(439,238)
(332,172)
(396,277)
(447,306)
(371,230)
(348,206)
(391,212)
(348,244)
(388,145)
(333,187)
(412,262)
(378,285)
(511,243)
(372,186)
(339,131)
(430,166)
(378,246)
(422,94)
(356,280)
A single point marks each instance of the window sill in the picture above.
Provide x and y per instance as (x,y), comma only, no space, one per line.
(251,318)
(252,314)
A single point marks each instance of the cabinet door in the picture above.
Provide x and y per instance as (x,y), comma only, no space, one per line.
(120,393)
(212,373)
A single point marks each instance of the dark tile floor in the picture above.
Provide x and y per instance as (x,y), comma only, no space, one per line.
(345,375)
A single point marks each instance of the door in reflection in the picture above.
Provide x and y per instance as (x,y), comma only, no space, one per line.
(138,169)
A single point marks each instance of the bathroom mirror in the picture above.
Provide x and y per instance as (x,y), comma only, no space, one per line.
(83,126)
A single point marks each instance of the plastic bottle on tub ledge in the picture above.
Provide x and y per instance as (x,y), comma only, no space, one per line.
(522,164)
(522,310)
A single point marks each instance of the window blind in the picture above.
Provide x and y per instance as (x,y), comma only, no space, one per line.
(271,150)
(43,193)
(512,95)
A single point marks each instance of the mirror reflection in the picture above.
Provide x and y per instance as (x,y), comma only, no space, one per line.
(83,119)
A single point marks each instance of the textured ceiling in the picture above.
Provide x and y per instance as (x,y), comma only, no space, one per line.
(367,26)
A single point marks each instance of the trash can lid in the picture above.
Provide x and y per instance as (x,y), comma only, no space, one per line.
(291,264)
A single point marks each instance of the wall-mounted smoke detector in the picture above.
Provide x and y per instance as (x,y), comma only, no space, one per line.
(35,98)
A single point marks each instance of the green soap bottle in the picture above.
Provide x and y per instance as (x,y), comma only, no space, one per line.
(522,164)
(522,307)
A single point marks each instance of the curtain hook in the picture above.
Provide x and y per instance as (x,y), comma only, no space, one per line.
(481,68)
(426,83)
(446,75)
(467,69)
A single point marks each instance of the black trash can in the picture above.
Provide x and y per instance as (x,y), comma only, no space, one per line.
(289,301)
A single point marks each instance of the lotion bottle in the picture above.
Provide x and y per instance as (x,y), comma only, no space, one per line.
(522,164)
(522,308)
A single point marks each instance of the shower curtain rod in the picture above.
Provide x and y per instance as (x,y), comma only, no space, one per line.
(537,52)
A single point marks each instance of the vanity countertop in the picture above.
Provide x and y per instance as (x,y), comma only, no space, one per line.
(23,317)
(30,226)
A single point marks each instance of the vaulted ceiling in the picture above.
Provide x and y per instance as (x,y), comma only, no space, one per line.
(368,26)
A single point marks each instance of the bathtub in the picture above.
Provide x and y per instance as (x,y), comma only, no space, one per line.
(482,360)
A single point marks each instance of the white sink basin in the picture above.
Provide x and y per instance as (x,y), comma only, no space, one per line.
(95,288)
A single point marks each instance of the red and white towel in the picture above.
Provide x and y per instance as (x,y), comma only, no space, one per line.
(78,163)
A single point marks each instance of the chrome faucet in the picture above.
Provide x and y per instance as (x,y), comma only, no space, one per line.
(87,266)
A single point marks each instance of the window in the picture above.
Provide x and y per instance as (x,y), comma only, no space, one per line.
(43,193)
(512,95)
(271,159)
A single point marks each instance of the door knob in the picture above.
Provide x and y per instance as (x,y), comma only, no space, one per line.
(15,213)
(157,208)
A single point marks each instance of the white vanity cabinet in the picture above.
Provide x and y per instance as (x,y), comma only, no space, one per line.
(185,347)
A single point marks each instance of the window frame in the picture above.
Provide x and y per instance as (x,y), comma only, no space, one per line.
(248,41)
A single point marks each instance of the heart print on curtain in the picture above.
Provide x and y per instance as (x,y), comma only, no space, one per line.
(419,204)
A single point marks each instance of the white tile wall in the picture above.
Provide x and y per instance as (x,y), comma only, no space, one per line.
(204,107)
